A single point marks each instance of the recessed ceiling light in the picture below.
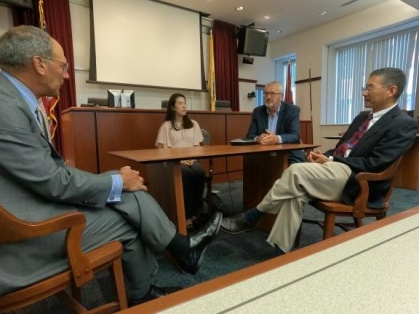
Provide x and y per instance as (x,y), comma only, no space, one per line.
(266,17)
(323,13)
(239,9)
(279,31)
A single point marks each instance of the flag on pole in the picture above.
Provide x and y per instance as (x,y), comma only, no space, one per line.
(288,92)
(211,74)
(49,106)
(42,23)
(48,102)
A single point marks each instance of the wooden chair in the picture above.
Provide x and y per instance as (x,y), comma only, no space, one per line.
(82,265)
(357,211)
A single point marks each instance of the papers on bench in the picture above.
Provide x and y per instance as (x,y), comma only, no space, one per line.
(243,141)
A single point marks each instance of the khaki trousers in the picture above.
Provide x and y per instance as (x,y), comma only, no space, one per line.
(299,184)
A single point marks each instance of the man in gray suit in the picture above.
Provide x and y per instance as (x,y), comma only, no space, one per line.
(35,184)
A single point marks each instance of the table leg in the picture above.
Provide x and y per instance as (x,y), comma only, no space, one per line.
(165,185)
(260,171)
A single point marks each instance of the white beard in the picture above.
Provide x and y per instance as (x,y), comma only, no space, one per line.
(269,104)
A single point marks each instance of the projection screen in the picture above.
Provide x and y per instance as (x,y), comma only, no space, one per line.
(146,43)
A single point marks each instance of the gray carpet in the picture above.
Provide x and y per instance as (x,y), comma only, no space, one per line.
(226,254)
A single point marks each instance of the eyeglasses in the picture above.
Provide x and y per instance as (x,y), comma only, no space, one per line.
(64,65)
(267,94)
(371,88)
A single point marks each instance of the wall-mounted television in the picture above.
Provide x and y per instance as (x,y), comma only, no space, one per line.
(252,41)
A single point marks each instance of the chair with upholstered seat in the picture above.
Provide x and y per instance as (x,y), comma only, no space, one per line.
(358,210)
(82,265)
(164,104)
(222,105)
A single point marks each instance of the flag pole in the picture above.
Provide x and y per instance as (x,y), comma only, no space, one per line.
(311,98)
(288,91)
(211,74)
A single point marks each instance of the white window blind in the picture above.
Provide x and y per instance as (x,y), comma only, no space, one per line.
(353,63)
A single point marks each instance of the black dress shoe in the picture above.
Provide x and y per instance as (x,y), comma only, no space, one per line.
(202,217)
(199,243)
(153,293)
(236,224)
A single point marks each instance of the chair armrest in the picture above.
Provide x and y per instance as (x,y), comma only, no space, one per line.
(14,229)
(386,174)
(363,178)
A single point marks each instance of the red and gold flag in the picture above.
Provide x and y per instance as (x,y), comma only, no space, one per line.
(49,104)
(288,91)
(211,75)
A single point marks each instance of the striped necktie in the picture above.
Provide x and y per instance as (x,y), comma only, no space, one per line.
(42,119)
(351,142)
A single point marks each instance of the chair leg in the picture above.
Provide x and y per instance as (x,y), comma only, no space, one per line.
(118,278)
(329,226)
(358,222)
(384,215)
(76,293)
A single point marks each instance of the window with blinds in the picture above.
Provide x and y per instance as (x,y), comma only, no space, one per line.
(351,64)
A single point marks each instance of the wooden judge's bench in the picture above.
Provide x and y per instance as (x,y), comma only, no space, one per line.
(89,134)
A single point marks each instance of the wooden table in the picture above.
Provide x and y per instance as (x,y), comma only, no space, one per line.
(372,269)
(262,166)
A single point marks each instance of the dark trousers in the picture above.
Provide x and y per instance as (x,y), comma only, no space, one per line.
(193,188)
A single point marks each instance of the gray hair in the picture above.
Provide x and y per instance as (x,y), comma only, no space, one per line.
(20,44)
(276,83)
(392,77)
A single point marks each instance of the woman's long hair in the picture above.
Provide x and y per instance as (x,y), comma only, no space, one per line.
(171,115)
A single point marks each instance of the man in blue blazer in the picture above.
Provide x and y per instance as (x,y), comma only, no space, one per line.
(372,143)
(277,122)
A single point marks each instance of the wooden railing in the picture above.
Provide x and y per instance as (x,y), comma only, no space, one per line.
(88,134)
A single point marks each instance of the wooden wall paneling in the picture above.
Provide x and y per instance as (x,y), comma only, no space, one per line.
(256,184)
(306,131)
(67,139)
(79,140)
(163,191)
(215,124)
(309,131)
(219,178)
(125,131)
(303,132)
(407,175)
(237,126)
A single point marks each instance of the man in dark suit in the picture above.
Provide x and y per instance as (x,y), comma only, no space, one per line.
(36,184)
(372,143)
(277,122)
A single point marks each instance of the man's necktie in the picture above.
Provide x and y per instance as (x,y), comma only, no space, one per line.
(42,119)
(350,143)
